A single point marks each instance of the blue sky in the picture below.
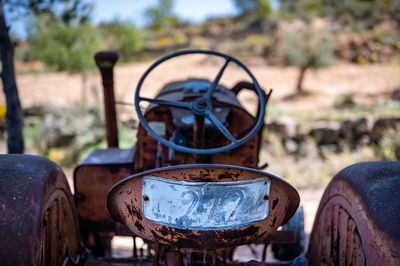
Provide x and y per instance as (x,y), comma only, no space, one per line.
(108,10)
(193,10)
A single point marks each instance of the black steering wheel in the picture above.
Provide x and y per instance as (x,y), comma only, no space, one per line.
(202,106)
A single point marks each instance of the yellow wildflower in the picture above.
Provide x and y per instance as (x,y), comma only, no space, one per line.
(374,57)
(56,155)
(163,41)
(361,60)
(3,111)
(180,38)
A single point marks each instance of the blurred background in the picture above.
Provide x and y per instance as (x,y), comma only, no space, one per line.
(334,67)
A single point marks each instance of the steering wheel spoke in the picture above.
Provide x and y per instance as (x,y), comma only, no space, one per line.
(215,121)
(177,104)
(214,84)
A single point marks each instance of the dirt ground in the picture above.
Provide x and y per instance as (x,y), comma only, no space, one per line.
(368,83)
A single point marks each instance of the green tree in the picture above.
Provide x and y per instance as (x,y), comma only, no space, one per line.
(66,47)
(302,8)
(65,10)
(162,15)
(307,49)
(260,8)
(122,37)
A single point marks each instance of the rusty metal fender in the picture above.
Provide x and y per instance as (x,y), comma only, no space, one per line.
(38,221)
(358,219)
(93,178)
(124,202)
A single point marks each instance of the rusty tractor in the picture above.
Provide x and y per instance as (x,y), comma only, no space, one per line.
(192,189)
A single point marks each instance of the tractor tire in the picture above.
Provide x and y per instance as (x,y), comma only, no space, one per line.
(290,251)
(357,222)
(38,222)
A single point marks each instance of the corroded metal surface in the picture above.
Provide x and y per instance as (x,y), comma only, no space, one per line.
(124,202)
(38,221)
(245,155)
(92,180)
(105,61)
(358,218)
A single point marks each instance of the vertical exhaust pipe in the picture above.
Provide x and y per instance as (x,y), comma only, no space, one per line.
(105,61)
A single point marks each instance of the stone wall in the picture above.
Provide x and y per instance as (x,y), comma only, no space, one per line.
(332,135)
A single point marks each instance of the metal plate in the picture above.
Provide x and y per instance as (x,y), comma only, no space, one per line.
(158,127)
(205,205)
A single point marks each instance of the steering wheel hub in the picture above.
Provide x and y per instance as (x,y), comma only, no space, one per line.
(201,105)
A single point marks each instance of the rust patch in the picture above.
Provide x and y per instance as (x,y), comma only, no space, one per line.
(133,211)
(273,222)
(206,239)
(224,176)
(228,175)
(202,177)
(180,238)
(190,239)
(139,226)
(274,203)
(240,233)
